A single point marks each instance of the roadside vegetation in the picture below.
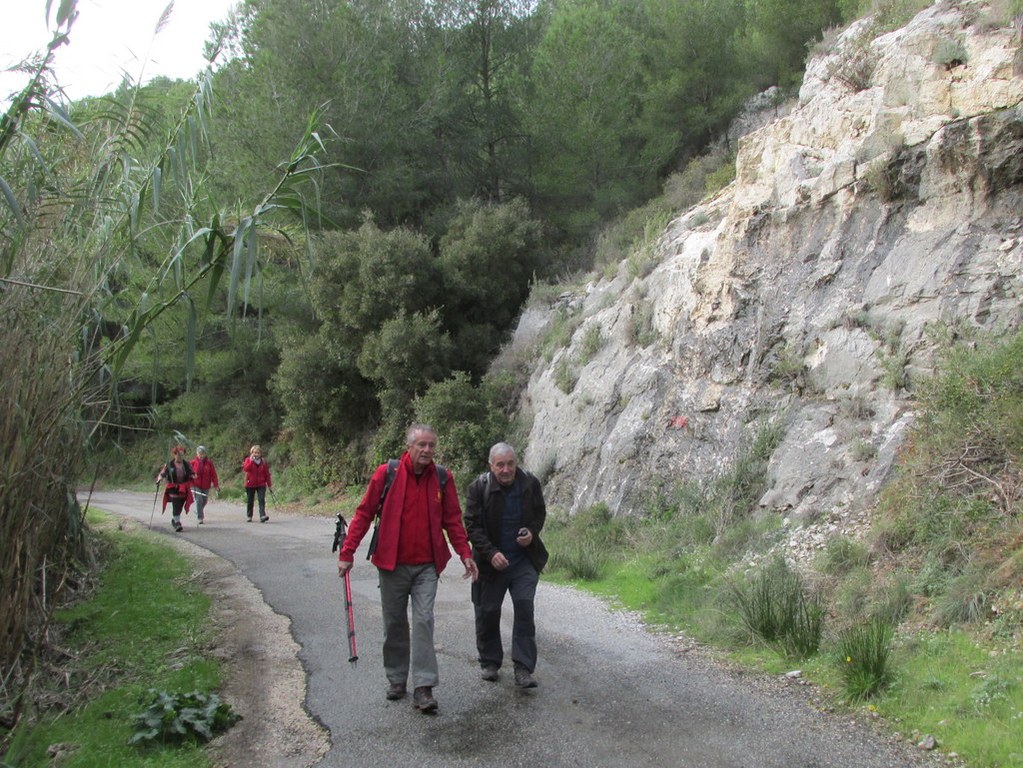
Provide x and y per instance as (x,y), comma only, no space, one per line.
(354,254)
(119,668)
(920,623)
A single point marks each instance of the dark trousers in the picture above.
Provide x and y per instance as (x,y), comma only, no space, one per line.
(177,504)
(520,581)
(250,494)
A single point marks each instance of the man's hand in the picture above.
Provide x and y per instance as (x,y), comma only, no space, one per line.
(499,561)
(525,537)
(471,571)
(343,566)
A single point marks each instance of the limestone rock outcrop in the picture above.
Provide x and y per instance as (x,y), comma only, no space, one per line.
(884,209)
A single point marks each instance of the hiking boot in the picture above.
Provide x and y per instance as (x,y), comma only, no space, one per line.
(423,699)
(264,518)
(523,679)
(489,673)
(177,526)
(396,691)
(248,519)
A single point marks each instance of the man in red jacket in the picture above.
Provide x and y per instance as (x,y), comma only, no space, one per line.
(410,554)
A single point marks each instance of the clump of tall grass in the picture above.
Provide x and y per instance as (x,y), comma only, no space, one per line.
(582,559)
(581,546)
(865,658)
(842,555)
(775,606)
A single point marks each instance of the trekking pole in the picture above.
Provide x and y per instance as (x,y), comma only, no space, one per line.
(155,498)
(277,506)
(339,537)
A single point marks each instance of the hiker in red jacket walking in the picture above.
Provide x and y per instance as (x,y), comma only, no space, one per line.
(177,473)
(416,512)
(204,477)
(257,480)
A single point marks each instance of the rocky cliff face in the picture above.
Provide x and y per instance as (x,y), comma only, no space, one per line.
(885,209)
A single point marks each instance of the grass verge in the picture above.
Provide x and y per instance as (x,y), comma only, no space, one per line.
(962,687)
(146,626)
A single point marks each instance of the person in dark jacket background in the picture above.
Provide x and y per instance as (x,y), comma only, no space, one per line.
(257,480)
(504,515)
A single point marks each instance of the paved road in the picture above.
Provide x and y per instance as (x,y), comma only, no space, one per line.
(610,694)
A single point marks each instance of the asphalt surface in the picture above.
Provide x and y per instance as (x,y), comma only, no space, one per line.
(610,693)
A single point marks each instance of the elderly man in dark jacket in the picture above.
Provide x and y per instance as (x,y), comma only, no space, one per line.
(504,515)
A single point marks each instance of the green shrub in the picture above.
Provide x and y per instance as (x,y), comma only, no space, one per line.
(863,450)
(592,342)
(865,653)
(469,418)
(565,376)
(803,638)
(788,366)
(950,53)
(639,328)
(560,333)
(895,601)
(852,593)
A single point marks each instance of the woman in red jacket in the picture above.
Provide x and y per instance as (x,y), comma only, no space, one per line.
(204,478)
(257,480)
(177,473)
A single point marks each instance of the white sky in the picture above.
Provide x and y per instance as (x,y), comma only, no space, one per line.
(108,38)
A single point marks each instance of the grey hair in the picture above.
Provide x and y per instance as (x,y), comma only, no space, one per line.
(499,449)
(410,436)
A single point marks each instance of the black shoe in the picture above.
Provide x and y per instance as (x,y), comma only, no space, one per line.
(489,674)
(423,699)
(264,518)
(523,679)
(248,519)
(396,691)
(178,527)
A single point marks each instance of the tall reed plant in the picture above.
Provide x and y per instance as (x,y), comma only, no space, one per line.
(104,226)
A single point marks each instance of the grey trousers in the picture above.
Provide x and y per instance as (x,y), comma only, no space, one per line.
(416,584)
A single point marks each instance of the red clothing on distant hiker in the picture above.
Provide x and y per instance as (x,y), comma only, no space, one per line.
(256,475)
(204,474)
(406,535)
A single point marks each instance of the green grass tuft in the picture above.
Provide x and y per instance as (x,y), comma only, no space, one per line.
(865,657)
